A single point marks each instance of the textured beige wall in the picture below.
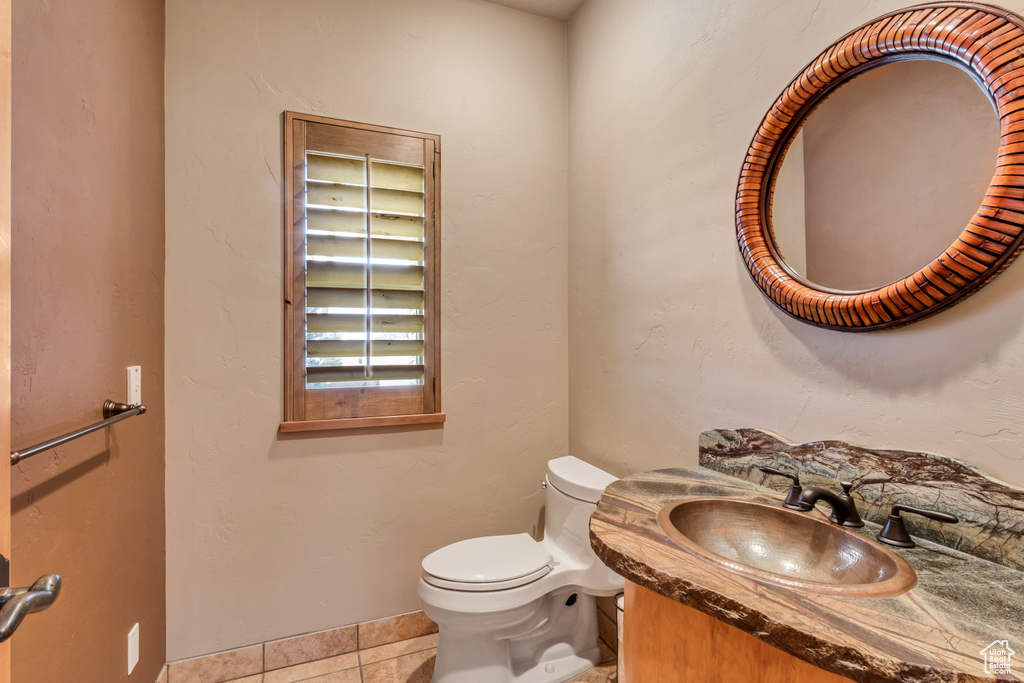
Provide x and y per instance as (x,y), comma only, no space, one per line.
(268,537)
(87,302)
(668,334)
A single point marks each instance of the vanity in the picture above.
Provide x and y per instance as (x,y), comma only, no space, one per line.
(688,617)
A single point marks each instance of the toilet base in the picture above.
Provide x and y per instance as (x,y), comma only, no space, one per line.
(554,670)
(558,670)
(547,641)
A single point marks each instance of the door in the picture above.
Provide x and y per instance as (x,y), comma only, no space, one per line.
(5,303)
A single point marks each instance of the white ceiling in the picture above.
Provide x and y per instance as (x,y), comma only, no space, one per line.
(552,9)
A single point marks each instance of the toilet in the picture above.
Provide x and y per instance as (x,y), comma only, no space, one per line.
(514,610)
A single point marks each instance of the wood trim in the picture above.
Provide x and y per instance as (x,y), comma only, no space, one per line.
(294,270)
(362,422)
(338,137)
(664,640)
(5,302)
(983,41)
(350,402)
(431,323)
(313,118)
(437,276)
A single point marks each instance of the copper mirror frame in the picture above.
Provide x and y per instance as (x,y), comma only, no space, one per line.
(985,41)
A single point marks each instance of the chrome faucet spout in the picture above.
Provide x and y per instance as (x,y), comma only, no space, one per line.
(844,510)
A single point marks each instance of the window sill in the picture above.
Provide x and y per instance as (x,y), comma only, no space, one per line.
(361,422)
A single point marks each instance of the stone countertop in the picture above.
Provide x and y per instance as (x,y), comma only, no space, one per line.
(933,633)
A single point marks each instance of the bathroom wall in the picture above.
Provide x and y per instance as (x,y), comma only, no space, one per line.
(270,536)
(88,273)
(668,335)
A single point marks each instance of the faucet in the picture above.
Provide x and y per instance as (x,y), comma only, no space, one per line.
(844,510)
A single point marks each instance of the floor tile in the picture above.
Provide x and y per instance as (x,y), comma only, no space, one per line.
(402,647)
(309,647)
(301,672)
(605,673)
(393,629)
(414,668)
(258,678)
(215,668)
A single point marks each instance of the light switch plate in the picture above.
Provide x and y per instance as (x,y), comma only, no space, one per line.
(134,385)
(133,648)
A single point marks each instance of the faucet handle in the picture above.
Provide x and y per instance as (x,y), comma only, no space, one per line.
(771,470)
(793,497)
(852,517)
(895,532)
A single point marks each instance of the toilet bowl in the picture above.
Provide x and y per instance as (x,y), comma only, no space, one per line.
(514,610)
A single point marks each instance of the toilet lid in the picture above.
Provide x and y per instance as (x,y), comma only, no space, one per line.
(578,479)
(488,559)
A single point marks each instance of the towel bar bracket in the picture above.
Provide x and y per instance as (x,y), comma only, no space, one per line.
(113,409)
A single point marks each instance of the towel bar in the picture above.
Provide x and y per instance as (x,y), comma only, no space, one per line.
(112,412)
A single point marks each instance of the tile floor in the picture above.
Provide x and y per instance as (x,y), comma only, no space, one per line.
(405,661)
(398,649)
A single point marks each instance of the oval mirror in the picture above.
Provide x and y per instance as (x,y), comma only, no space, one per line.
(877,189)
(865,170)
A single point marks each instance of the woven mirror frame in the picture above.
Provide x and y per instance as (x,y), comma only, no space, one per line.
(985,41)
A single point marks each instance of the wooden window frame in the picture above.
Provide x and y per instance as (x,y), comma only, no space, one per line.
(330,409)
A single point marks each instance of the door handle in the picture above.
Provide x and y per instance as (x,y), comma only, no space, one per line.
(20,602)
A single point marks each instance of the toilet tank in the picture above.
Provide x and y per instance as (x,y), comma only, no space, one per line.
(573,489)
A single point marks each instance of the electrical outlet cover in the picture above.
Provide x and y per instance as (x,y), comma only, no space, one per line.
(133,648)
(134,385)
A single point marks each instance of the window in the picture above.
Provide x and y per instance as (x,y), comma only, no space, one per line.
(361,275)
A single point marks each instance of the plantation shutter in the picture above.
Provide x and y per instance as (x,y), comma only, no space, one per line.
(362,313)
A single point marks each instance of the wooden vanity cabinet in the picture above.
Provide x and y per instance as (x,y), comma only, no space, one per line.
(667,642)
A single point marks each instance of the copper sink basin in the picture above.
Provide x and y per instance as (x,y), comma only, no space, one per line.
(786,548)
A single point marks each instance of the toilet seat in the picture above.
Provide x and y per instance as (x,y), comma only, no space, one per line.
(488,563)
(482,586)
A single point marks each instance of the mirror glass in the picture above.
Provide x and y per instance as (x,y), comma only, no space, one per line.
(884,175)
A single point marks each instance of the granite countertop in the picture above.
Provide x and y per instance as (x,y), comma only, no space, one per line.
(935,632)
